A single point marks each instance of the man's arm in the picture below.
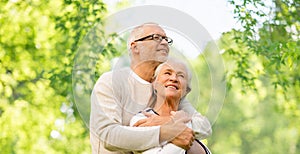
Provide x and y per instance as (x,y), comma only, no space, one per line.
(200,124)
(106,121)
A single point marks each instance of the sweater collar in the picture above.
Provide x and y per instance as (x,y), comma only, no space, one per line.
(134,75)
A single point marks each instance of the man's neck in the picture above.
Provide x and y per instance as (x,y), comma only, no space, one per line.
(145,70)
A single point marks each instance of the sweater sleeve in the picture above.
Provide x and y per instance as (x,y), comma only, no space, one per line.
(106,122)
(166,148)
(200,124)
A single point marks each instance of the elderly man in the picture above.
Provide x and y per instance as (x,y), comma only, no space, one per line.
(119,94)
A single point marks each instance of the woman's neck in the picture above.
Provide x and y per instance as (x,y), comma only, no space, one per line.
(164,106)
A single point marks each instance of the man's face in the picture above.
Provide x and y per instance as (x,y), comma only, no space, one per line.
(152,49)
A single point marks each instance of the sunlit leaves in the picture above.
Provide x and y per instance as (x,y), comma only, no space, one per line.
(37,46)
(262,56)
(273,39)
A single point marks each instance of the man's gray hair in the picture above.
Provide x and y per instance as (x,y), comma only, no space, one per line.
(137,33)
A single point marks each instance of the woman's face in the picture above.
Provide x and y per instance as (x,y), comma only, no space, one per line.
(171,81)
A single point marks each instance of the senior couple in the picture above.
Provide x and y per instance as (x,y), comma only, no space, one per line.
(142,109)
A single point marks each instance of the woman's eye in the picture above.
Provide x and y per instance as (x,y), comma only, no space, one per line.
(181,75)
(168,73)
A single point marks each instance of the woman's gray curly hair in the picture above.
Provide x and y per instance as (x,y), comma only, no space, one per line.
(189,73)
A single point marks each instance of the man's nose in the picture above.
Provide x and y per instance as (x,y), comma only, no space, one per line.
(165,42)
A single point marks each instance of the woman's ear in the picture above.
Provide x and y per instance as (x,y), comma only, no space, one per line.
(154,85)
(188,89)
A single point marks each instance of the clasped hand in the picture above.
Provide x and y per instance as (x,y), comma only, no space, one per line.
(173,128)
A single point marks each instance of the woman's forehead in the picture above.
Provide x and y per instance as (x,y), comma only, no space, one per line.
(176,67)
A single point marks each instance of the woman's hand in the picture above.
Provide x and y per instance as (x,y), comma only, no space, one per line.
(152,120)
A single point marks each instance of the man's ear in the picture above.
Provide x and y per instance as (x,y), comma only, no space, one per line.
(133,47)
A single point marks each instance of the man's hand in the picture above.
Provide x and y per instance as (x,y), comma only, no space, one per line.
(176,130)
(185,139)
(152,120)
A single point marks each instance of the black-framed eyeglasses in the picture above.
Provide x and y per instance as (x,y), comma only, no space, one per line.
(156,37)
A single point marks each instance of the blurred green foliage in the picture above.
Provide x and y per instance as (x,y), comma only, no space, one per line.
(261,113)
(37,46)
(38,42)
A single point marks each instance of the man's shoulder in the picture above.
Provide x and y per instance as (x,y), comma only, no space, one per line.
(113,78)
(116,73)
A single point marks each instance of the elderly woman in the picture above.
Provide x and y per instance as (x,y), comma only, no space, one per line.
(171,83)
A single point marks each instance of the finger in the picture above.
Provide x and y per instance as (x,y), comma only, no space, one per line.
(147,114)
(181,115)
(143,125)
(191,144)
(173,113)
(193,139)
(140,122)
(187,147)
(183,119)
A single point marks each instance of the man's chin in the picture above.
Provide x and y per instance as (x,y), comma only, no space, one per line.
(160,59)
(163,58)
